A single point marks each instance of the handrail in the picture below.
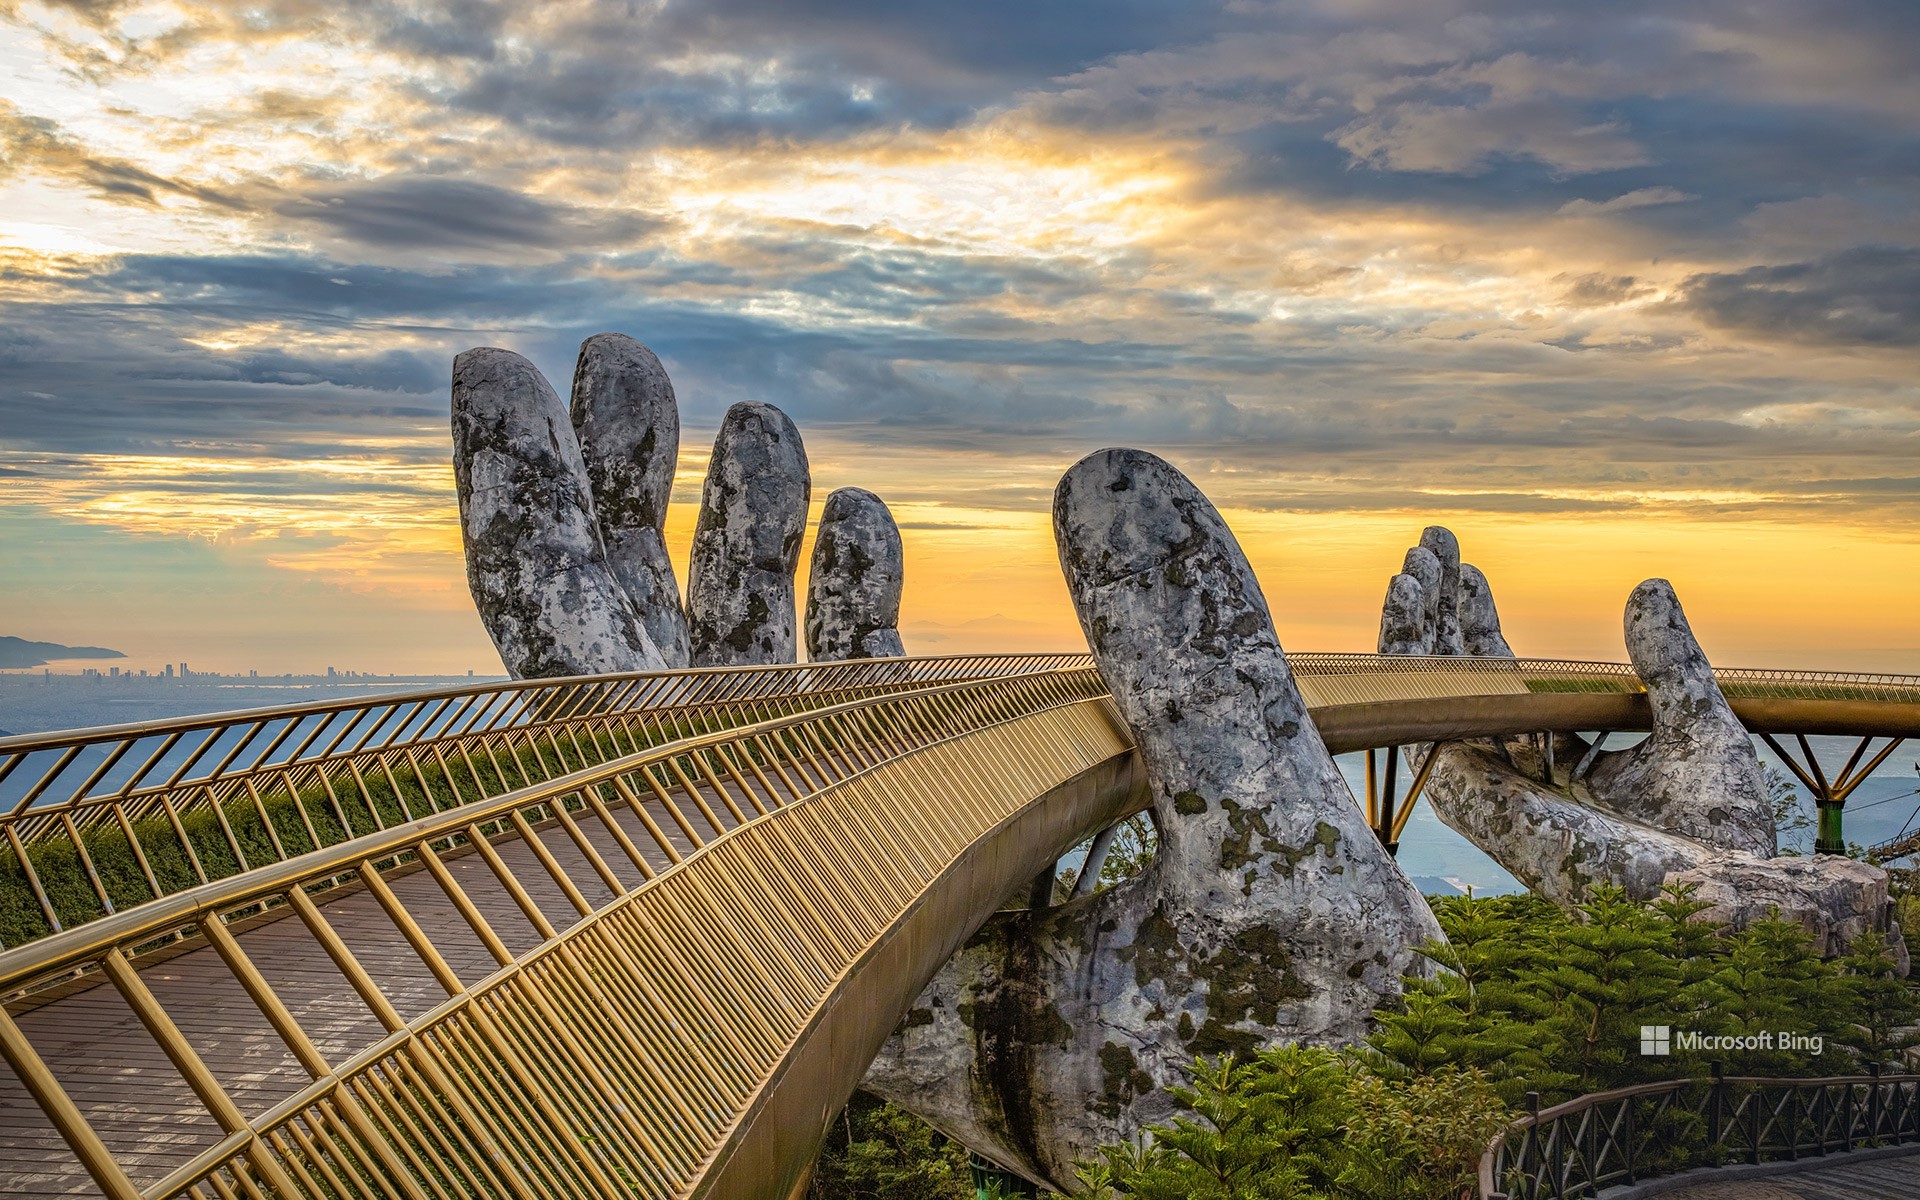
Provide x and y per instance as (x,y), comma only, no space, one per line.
(715,680)
(735,841)
(20,965)
(1573,1150)
(118,816)
(174,803)
(1541,672)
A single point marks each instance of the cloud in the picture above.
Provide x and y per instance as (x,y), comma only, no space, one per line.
(1462,139)
(1865,296)
(37,145)
(441,214)
(1331,235)
(1638,198)
(1595,289)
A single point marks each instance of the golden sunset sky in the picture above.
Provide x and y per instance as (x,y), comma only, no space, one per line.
(1613,290)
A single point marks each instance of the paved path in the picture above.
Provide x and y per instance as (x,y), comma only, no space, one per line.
(1882,1179)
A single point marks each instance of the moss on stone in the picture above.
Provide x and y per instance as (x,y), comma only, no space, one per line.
(915,1018)
(1122,1079)
(1156,953)
(1247,825)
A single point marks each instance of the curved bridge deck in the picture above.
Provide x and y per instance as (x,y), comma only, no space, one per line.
(628,936)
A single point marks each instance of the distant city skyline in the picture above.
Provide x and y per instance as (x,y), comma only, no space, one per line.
(1614,291)
(72,669)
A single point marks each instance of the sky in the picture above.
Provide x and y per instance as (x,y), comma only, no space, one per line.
(1613,290)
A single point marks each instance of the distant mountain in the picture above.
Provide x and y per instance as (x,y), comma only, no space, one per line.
(19,652)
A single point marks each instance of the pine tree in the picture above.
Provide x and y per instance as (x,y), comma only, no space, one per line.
(1770,980)
(1884,1010)
(1264,1130)
(1610,973)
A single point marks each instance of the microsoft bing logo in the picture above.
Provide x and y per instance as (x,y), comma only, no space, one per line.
(1656,1040)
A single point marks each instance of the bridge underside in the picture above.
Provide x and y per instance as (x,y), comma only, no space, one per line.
(1348,727)
(781,1132)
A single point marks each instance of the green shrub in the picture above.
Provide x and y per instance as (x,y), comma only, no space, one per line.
(334,814)
(1304,1123)
(878,1152)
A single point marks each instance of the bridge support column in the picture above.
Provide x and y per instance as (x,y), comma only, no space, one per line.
(1830,797)
(1829,836)
(1387,813)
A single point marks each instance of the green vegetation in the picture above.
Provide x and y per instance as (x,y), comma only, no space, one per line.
(207,827)
(1531,999)
(1132,850)
(1792,813)
(878,1152)
(1585,683)
(353,800)
(1551,1002)
(1299,1123)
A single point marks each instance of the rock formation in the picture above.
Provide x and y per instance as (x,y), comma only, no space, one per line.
(629,429)
(853,585)
(1697,774)
(1424,568)
(1440,541)
(1561,840)
(539,575)
(1405,627)
(1688,805)
(753,513)
(1269,914)
(1479,620)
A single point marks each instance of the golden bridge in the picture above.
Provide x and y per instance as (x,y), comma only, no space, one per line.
(610,936)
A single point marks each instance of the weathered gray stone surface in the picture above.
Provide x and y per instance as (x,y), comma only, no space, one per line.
(1687,805)
(1446,623)
(1404,624)
(1479,619)
(1834,899)
(1424,566)
(1556,844)
(1560,842)
(854,581)
(1270,913)
(629,429)
(753,513)
(534,560)
(1698,773)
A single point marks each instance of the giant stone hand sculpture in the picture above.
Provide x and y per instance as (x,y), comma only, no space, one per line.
(753,513)
(535,563)
(853,586)
(562,517)
(1270,913)
(1688,805)
(629,429)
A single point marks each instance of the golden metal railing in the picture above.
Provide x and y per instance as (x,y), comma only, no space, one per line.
(104,819)
(590,965)
(580,988)
(99,820)
(1365,678)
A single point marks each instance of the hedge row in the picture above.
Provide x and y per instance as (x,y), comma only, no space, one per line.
(63,876)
